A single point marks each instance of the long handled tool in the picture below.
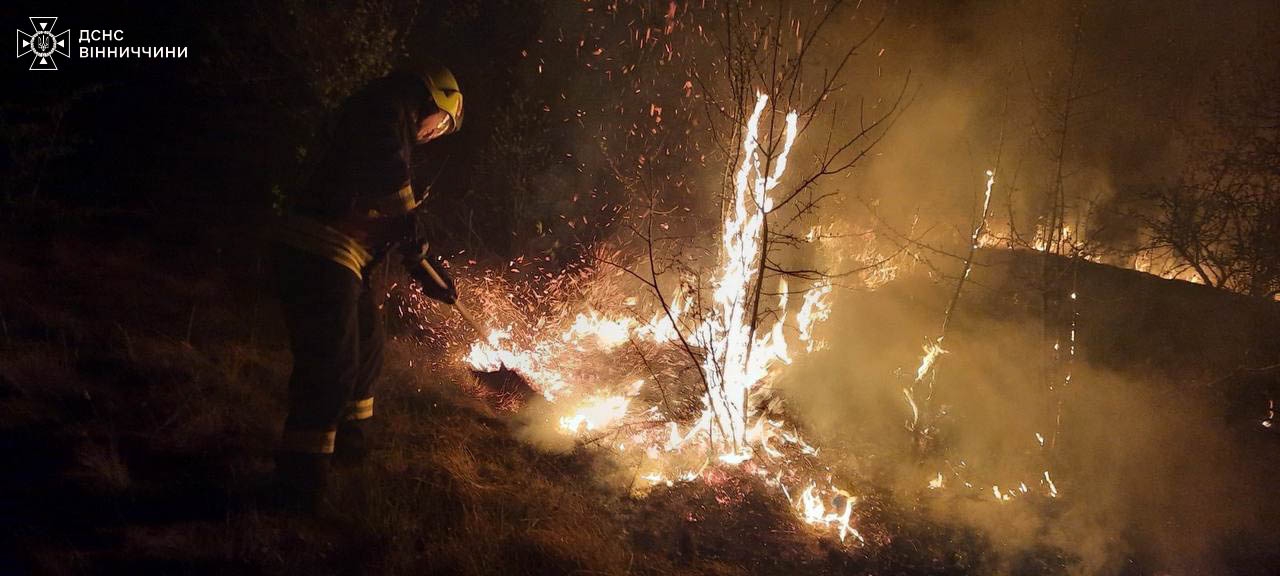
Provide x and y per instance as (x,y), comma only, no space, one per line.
(457,305)
(505,389)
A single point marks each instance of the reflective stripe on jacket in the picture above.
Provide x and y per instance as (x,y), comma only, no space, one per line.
(362,182)
(399,203)
(313,237)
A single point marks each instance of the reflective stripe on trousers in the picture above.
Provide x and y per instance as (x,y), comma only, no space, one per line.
(336,336)
(308,441)
(358,409)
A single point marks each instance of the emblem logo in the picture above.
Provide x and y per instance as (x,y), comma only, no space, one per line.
(44,44)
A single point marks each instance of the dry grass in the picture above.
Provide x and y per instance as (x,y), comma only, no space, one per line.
(139,440)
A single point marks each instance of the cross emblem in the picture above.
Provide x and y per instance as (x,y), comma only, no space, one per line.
(44,43)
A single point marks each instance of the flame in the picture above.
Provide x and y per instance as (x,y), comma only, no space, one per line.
(743,360)
(915,409)
(595,413)
(1053,489)
(496,352)
(932,350)
(739,357)
(608,332)
(815,308)
(815,510)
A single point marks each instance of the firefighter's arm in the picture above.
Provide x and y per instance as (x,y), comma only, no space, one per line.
(429,271)
(382,126)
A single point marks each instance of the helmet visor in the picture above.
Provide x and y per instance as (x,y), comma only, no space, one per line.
(446,125)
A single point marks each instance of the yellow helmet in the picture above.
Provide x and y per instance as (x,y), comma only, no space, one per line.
(444,91)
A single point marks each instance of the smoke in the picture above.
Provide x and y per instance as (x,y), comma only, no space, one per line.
(537,423)
(1151,470)
(998,82)
(1147,471)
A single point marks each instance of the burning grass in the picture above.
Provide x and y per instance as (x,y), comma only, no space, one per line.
(597,360)
(149,457)
(143,444)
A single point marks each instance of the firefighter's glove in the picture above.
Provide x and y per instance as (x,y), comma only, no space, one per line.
(421,265)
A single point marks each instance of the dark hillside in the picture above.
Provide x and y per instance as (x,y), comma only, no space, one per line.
(1145,326)
(141,391)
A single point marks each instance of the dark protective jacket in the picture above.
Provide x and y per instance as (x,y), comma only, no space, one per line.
(359,198)
(357,203)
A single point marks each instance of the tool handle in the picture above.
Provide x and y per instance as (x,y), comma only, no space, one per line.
(462,310)
(435,276)
(466,315)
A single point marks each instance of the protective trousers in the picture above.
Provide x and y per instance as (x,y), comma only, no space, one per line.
(336,335)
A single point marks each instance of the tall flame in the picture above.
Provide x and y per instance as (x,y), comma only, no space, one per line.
(744,359)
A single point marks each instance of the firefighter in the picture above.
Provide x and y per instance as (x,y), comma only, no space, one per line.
(355,210)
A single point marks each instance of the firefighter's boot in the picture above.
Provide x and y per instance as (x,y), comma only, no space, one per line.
(352,444)
(300,482)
